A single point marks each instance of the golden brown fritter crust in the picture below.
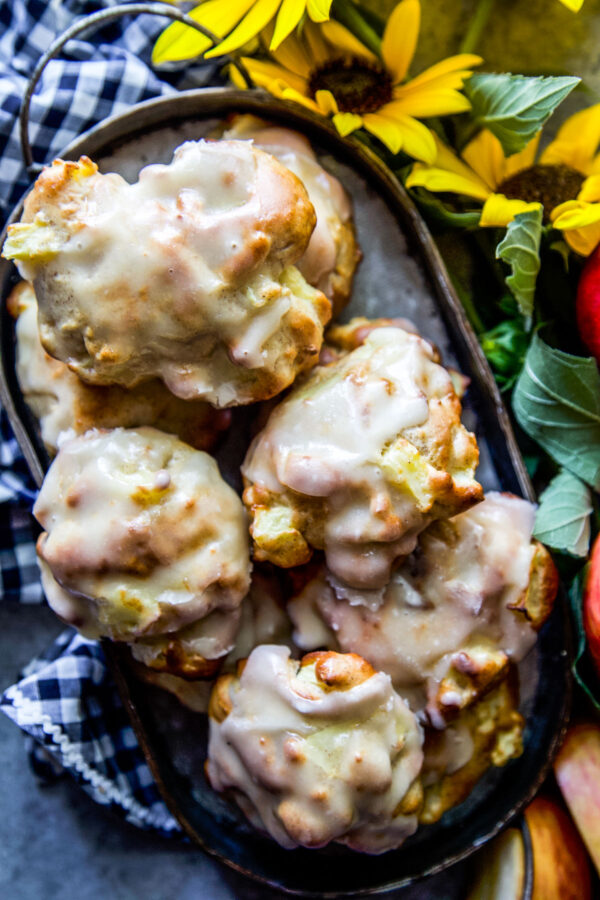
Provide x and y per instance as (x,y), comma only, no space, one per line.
(495,728)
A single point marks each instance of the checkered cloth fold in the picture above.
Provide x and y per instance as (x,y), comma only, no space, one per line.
(67,700)
(69,703)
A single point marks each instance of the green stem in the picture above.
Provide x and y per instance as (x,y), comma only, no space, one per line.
(478,22)
(471,311)
(347,13)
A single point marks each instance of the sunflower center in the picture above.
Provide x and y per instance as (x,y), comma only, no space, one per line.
(358,85)
(548,185)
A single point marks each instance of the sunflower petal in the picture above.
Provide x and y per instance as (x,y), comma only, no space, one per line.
(343,40)
(459,65)
(387,131)
(327,103)
(346,123)
(317,46)
(580,224)
(498,210)
(290,94)
(403,133)
(262,72)
(259,15)
(575,214)
(447,159)
(524,159)
(590,189)
(573,5)
(179,41)
(290,13)
(400,38)
(441,180)
(576,142)
(318,10)
(485,156)
(292,56)
(429,102)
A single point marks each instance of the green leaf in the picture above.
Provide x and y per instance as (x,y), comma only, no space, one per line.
(505,347)
(557,403)
(582,669)
(563,517)
(514,107)
(520,249)
(564,251)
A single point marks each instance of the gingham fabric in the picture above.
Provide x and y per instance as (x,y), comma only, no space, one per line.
(67,701)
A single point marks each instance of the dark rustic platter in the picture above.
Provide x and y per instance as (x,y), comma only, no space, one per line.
(392,232)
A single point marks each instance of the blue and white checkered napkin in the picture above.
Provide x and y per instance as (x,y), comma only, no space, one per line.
(69,703)
(67,700)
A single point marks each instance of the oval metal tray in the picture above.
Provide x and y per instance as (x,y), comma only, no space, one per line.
(396,243)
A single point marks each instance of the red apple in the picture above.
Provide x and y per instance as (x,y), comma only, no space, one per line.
(577,770)
(561,870)
(587,304)
(591,604)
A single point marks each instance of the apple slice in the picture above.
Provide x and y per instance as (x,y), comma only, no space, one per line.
(577,770)
(500,869)
(561,870)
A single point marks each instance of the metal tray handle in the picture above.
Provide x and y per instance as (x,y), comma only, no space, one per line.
(92,23)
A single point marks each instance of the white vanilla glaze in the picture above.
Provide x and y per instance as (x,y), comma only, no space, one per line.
(261,619)
(142,535)
(264,620)
(66,406)
(312,764)
(452,749)
(210,638)
(186,274)
(331,202)
(334,438)
(456,587)
(47,384)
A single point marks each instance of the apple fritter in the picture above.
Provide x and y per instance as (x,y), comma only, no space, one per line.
(186,275)
(359,459)
(144,543)
(455,613)
(316,750)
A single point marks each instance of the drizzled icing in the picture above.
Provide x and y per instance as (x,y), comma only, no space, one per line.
(261,620)
(142,536)
(345,437)
(66,406)
(311,763)
(186,274)
(456,587)
(331,253)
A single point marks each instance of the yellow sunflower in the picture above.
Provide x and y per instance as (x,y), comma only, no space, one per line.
(565,180)
(238,21)
(330,71)
(573,5)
